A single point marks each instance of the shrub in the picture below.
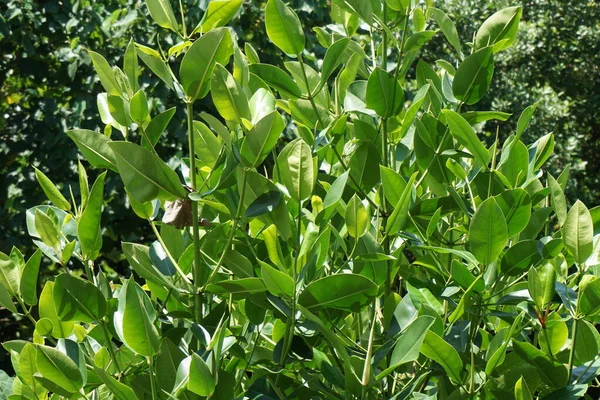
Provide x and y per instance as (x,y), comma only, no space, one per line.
(383,251)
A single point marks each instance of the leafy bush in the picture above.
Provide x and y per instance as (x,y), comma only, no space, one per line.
(340,231)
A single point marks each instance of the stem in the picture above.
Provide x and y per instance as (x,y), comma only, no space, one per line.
(367,368)
(572,351)
(111,351)
(234,223)
(164,246)
(152,378)
(197,270)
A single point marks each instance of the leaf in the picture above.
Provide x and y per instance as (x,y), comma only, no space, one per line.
(474,76)
(499,30)
(201,380)
(263,204)
(447,27)
(464,133)
(118,389)
(218,13)
(407,348)
(297,169)
(237,286)
(145,175)
(522,390)
(162,13)
(58,368)
(78,300)
(524,119)
(554,337)
(261,139)
(544,147)
(519,257)
(105,73)
(51,191)
(334,56)
(94,147)
(284,28)
(398,218)
(384,94)
(418,40)
(47,310)
(541,285)
(228,96)
(552,373)
(361,8)
(138,257)
(461,275)
(138,107)
(440,351)
(134,320)
(10,276)
(578,232)
(559,202)
(157,126)
(586,344)
(476,117)
(277,282)
(200,60)
(6,300)
(488,233)
(277,79)
(516,207)
(589,301)
(155,62)
(89,229)
(357,217)
(342,291)
(130,66)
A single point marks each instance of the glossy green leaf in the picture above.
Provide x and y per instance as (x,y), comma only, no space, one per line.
(589,301)
(138,107)
(474,76)
(58,368)
(342,291)
(488,233)
(399,216)
(134,320)
(118,389)
(157,126)
(499,30)
(447,27)
(298,169)
(47,309)
(228,96)
(578,232)
(276,281)
(277,79)
(554,337)
(199,62)
(201,380)
(145,175)
(357,217)
(105,73)
(261,139)
(586,343)
(6,300)
(78,300)
(284,28)
(465,134)
(384,94)
(218,13)
(155,62)
(361,8)
(522,390)
(10,275)
(238,286)
(552,373)
(334,56)
(441,352)
(516,207)
(541,285)
(89,229)
(51,191)
(559,202)
(162,13)
(94,147)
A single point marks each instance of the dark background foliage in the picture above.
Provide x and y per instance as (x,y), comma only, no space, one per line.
(47,85)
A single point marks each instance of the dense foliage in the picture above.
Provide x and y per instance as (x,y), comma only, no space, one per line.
(330,226)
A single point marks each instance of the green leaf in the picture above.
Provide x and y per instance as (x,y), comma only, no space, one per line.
(89,229)
(145,175)
(476,117)
(277,282)
(357,217)
(218,13)
(488,233)
(559,202)
(78,300)
(499,30)
(94,147)
(228,96)
(519,257)
(349,292)
(200,60)
(261,104)
(10,275)
(284,28)
(516,207)
(552,373)
(418,40)
(277,79)
(384,94)
(155,62)
(400,214)
(589,301)
(261,139)
(524,119)
(334,56)
(544,147)
(138,107)
(407,348)
(134,320)
(105,73)
(361,8)
(6,300)
(157,126)
(57,367)
(465,134)
(162,13)
(555,335)
(440,351)
(48,230)
(239,286)
(540,283)
(201,380)
(393,184)
(138,257)
(447,27)
(51,191)
(461,275)
(130,65)
(578,232)
(586,344)
(474,76)
(522,390)
(47,309)
(298,169)
(119,390)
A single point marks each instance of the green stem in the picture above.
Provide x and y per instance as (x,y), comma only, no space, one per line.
(234,224)
(367,368)
(111,351)
(152,378)
(572,351)
(198,272)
